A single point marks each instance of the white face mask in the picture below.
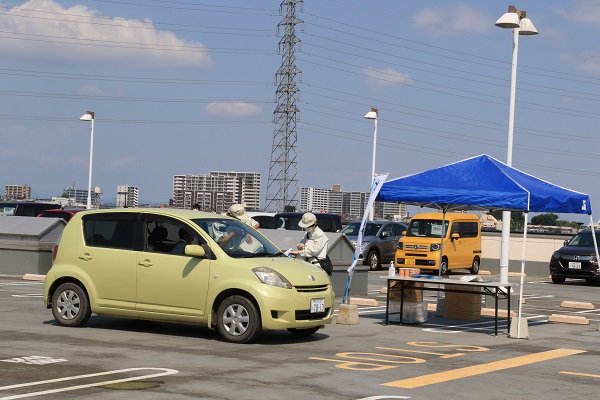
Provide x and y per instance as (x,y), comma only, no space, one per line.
(310,229)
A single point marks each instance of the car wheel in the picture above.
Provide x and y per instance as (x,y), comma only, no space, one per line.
(558,279)
(373,260)
(475,266)
(444,266)
(238,320)
(70,305)
(304,332)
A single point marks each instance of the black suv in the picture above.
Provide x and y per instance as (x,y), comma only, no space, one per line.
(289,221)
(576,259)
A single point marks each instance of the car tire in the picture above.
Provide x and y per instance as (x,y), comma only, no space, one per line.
(70,305)
(444,266)
(373,260)
(238,320)
(304,332)
(475,266)
(558,279)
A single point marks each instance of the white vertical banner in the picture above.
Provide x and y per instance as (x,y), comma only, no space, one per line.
(378,182)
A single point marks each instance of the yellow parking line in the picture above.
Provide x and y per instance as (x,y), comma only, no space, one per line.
(460,373)
(580,374)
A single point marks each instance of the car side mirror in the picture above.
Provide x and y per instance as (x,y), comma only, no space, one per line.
(403,233)
(454,236)
(385,234)
(194,250)
(565,242)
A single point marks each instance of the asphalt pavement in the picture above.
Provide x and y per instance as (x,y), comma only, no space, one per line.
(113,358)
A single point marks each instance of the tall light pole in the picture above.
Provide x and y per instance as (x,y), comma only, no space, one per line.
(373,114)
(89,116)
(516,20)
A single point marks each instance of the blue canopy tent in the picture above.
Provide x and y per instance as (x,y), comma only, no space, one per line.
(484,183)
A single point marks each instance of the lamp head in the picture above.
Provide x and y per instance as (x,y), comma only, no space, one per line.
(88,116)
(510,19)
(527,27)
(372,114)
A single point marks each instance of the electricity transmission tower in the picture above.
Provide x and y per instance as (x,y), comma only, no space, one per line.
(282,187)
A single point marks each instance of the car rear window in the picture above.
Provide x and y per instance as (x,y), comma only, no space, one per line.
(116,231)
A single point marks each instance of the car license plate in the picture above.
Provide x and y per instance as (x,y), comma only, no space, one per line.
(317,305)
(574,265)
(409,261)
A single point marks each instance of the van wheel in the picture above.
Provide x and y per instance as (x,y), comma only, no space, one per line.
(238,320)
(70,305)
(444,266)
(373,260)
(475,266)
(558,279)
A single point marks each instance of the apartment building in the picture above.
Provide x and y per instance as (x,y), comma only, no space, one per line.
(351,205)
(17,192)
(127,196)
(217,191)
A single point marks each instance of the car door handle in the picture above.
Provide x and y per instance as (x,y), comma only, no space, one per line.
(146,263)
(85,257)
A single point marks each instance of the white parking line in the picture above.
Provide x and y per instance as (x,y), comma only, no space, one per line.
(21,283)
(165,371)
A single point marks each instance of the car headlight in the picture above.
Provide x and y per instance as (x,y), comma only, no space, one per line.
(271,277)
(435,247)
(400,246)
(555,255)
(364,245)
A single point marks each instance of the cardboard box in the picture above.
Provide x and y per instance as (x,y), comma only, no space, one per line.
(463,305)
(410,295)
(412,313)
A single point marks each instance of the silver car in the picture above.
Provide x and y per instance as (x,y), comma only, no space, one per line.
(379,242)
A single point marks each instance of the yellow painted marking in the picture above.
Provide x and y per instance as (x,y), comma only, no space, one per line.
(580,374)
(480,369)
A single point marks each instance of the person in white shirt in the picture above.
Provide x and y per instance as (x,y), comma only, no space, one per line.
(315,243)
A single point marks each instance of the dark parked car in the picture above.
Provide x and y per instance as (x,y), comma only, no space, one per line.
(576,259)
(289,221)
(379,242)
(25,208)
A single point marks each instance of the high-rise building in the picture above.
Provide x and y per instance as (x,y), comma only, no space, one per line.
(75,195)
(350,205)
(217,191)
(17,192)
(127,196)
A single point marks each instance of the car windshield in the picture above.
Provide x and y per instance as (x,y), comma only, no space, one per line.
(352,229)
(584,239)
(426,228)
(237,239)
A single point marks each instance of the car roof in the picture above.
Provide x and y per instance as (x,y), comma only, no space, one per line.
(177,212)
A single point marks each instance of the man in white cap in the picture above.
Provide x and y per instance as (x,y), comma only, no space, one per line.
(313,246)
(238,211)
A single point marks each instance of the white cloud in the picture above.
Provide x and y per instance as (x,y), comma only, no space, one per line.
(452,19)
(587,11)
(589,62)
(45,30)
(386,77)
(90,90)
(119,163)
(232,109)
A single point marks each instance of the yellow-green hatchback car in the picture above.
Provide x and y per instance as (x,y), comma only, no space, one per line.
(183,266)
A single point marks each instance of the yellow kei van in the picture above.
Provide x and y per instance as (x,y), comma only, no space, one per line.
(419,246)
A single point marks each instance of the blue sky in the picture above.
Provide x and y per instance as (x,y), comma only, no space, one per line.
(184,87)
